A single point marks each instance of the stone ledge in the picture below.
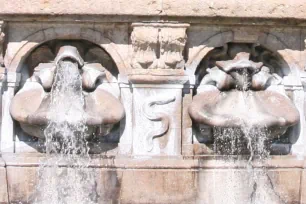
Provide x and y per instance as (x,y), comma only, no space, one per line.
(162,179)
(200,162)
(199,8)
(138,186)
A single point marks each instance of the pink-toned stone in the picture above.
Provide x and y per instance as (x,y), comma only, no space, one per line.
(163,186)
(3,187)
(21,183)
(232,8)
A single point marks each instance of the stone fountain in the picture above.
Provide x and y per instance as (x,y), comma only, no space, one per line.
(102,108)
(243,92)
(159,102)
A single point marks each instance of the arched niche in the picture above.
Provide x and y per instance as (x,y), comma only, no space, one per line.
(264,39)
(90,52)
(267,50)
(258,53)
(41,57)
(15,63)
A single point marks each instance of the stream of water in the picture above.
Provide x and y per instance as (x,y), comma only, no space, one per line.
(249,185)
(64,177)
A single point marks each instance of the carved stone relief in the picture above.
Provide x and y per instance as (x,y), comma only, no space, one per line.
(156,123)
(161,116)
(102,107)
(242,88)
(158,50)
(144,41)
(158,46)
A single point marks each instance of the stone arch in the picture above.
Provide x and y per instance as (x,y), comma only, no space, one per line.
(265,39)
(35,39)
(272,43)
(276,45)
(216,40)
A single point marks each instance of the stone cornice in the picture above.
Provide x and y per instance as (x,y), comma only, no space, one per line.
(256,9)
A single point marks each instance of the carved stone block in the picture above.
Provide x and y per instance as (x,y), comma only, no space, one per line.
(158,46)
(157,121)
(144,40)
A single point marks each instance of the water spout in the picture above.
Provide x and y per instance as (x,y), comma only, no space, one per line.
(66,143)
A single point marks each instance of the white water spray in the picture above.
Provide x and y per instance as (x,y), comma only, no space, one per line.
(252,141)
(64,178)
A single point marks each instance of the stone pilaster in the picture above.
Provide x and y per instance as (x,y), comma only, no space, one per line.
(157,114)
(157,81)
(7,133)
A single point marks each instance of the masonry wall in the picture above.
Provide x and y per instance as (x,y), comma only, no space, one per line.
(178,168)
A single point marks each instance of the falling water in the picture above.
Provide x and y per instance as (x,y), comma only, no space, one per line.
(64,177)
(242,141)
(252,141)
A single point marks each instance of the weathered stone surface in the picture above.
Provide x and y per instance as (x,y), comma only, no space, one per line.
(147,7)
(286,183)
(303,187)
(172,180)
(3,180)
(21,183)
(158,46)
(154,32)
(244,186)
(158,186)
(24,37)
(195,162)
(237,8)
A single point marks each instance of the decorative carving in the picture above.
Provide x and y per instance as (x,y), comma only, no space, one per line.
(144,40)
(242,87)
(102,108)
(158,46)
(157,116)
(172,44)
